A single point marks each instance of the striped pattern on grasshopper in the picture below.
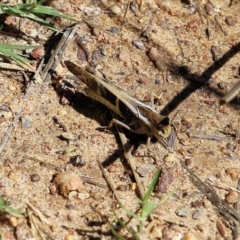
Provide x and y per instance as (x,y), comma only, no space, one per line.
(137,117)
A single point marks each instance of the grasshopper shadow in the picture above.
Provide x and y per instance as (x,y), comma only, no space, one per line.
(198,81)
(101,114)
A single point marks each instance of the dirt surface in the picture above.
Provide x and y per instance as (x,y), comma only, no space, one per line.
(187,53)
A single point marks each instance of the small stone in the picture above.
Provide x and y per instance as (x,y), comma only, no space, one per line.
(69,136)
(233,172)
(182,212)
(12,88)
(189,236)
(134,7)
(116,10)
(221,229)
(67,182)
(83,196)
(25,122)
(13,221)
(217,52)
(35,178)
(123,187)
(209,9)
(187,122)
(7,115)
(146,169)
(157,82)
(96,55)
(231,197)
(69,237)
(138,44)
(231,21)
(114,30)
(192,9)
(37,53)
(161,64)
(222,86)
(4,107)
(70,206)
(196,214)
(169,158)
(71,216)
(111,169)
(61,112)
(81,55)
(193,25)
(164,181)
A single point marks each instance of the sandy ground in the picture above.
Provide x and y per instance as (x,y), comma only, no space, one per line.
(187,53)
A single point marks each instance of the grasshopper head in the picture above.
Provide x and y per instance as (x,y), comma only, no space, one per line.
(160,125)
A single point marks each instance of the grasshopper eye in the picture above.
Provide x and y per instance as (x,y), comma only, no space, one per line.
(164,122)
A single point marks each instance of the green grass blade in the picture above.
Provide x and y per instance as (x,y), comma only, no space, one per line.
(147,209)
(151,186)
(21,61)
(133,233)
(30,10)
(21,47)
(6,208)
(166,197)
(17,12)
(13,55)
(132,214)
(115,233)
(52,12)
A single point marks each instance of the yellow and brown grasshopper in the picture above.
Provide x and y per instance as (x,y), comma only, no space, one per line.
(137,117)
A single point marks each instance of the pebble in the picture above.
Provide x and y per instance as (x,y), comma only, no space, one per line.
(67,182)
(189,236)
(169,158)
(7,115)
(37,53)
(182,212)
(233,172)
(231,21)
(146,169)
(96,55)
(209,9)
(35,178)
(116,10)
(231,197)
(12,88)
(138,44)
(61,112)
(114,30)
(25,122)
(196,214)
(222,86)
(69,136)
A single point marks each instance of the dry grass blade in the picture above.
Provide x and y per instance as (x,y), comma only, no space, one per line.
(222,207)
(130,160)
(109,183)
(52,63)
(231,94)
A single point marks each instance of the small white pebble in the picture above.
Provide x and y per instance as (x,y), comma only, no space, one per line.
(12,88)
(7,115)
(189,236)
(61,112)
(116,10)
(169,158)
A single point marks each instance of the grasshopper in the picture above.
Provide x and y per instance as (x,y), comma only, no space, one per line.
(137,117)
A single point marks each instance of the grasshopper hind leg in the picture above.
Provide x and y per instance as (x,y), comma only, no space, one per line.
(115,121)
